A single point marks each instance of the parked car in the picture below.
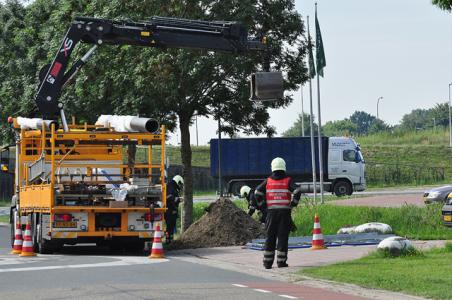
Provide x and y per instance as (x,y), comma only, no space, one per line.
(438,194)
(446,213)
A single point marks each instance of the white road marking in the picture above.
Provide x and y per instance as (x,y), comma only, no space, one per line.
(262,291)
(122,261)
(239,285)
(289,297)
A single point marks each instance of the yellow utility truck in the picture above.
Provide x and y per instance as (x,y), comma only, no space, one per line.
(85,185)
(82,182)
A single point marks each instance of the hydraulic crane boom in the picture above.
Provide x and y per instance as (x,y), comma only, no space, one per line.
(158,32)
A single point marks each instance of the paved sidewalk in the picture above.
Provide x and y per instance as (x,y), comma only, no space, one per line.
(250,261)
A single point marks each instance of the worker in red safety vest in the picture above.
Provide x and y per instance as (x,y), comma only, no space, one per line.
(276,192)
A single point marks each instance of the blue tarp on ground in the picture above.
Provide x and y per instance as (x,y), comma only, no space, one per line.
(335,240)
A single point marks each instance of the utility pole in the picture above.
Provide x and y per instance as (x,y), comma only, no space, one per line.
(302,112)
(378,102)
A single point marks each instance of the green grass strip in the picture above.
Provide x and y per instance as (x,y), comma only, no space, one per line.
(426,274)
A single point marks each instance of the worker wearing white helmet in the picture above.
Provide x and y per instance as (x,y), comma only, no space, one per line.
(276,192)
(248,193)
(173,190)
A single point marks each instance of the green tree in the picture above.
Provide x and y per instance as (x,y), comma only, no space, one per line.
(339,128)
(415,120)
(296,128)
(378,126)
(172,85)
(363,121)
(440,113)
(443,4)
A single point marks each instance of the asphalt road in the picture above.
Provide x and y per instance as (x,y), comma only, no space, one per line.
(419,191)
(88,272)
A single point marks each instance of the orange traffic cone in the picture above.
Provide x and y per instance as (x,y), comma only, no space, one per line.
(317,236)
(17,247)
(157,247)
(27,246)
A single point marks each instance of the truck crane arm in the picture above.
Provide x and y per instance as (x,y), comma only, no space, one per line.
(160,32)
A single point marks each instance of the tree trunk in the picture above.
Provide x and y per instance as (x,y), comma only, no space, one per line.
(184,126)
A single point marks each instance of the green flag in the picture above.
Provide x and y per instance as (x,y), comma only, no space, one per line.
(311,58)
(320,52)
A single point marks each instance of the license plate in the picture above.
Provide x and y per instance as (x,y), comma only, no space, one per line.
(448,218)
(65,224)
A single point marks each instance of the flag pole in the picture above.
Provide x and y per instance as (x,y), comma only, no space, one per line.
(311,122)
(302,111)
(319,137)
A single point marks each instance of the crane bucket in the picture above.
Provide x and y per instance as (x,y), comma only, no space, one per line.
(267,86)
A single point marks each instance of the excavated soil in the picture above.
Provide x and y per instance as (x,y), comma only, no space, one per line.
(223,224)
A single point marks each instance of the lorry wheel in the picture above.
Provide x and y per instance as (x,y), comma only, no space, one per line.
(12,222)
(34,231)
(44,246)
(342,188)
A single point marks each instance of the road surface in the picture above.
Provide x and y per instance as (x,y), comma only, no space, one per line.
(87,272)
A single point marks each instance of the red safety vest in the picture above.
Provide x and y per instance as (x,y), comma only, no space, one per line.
(277,193)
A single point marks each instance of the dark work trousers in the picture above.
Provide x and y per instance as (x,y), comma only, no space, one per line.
(278,227)
(171,218)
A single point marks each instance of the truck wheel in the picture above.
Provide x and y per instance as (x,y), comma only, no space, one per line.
(34,231)
(12,222)
(44,246)
(236,186)
(342,188)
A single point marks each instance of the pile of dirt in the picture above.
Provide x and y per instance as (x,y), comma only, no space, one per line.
(223,224)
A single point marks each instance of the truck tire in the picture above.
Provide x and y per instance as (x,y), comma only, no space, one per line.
(342,188)
(13,225)
(43,246)
(34,231)
(236,186)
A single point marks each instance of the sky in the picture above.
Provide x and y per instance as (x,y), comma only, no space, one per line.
(400,50)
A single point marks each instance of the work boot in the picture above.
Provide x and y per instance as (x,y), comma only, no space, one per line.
(282,265)
(267,266)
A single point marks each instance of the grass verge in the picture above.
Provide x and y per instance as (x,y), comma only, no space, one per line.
(424,274)
(422,223)
(4,219)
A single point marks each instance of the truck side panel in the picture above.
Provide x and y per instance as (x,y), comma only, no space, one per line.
(251,157)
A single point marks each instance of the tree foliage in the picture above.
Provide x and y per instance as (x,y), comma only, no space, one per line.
(421,119)
(443,4)
(363,121)
(339,128)
(171,85)
(296,128)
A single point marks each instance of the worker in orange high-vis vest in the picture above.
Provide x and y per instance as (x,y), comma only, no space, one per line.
(280,194)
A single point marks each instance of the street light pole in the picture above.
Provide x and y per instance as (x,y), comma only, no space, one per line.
(378,102)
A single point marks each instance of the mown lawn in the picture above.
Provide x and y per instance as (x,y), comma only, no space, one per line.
(427,274)
(4,219)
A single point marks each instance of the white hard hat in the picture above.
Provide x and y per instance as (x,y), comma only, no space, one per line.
(278,164)
(245,190)
(179,180)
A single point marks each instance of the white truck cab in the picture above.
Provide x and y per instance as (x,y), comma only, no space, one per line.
(345,166)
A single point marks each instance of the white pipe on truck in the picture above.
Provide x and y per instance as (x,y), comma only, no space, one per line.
(128,123)
(35,123)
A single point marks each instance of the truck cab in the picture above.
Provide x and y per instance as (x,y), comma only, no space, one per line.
(346,166)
